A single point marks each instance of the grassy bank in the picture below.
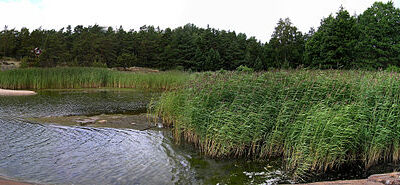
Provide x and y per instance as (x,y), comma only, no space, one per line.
(81,77)
(315,120)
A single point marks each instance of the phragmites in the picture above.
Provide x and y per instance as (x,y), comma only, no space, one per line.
(315,120)
(84,77)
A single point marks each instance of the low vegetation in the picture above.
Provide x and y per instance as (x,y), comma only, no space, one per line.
(314,120)
(82,77)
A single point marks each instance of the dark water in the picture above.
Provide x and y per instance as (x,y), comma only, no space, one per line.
(52,154)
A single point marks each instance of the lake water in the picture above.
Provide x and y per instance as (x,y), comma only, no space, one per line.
(54,154)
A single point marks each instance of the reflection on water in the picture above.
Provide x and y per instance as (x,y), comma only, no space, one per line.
(51,154)
(84,102)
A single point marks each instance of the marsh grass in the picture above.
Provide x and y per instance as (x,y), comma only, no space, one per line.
(314,120)
(81,77)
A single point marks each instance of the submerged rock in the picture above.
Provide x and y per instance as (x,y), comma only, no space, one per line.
(137,122)
(102,121)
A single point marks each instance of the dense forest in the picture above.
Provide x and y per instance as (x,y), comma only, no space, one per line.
(370,40)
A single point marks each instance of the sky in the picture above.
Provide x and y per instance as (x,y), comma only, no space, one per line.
(253,17)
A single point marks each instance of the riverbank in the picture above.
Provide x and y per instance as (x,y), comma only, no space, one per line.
(6,92)
(314,120)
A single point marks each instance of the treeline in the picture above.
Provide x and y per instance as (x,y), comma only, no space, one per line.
(187,47)
(370,40)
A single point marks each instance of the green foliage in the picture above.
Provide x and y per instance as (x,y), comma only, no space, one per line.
(245,69)
(194,48)
(179,68)
(379,44)
(29,62)
(99,64)
(24,63)
(8,42)
(288,45)
(82,77)
(126,60)
(368,41)
(314,120)
(333,45)
(392,68)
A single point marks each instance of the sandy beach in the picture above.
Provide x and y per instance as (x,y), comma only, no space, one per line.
(6,92)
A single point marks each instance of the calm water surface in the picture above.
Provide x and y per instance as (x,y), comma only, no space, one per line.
(53,154)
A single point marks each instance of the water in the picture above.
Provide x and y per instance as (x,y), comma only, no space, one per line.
(54,154)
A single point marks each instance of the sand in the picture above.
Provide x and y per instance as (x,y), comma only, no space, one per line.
(6,92)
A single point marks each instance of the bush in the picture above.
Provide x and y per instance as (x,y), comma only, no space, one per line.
(392,68)
(244,69)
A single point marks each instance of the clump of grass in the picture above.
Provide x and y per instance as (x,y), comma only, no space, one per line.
(81,77)
(315,120)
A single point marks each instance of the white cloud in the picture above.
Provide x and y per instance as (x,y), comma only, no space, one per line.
(253,17)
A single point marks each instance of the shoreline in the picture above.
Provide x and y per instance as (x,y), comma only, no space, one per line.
(377,179)
(6,181)
(7,92)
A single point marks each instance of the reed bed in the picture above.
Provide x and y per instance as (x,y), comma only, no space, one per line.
(81,77)
(314,120)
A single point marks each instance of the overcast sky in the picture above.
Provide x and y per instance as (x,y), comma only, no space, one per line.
(253,17)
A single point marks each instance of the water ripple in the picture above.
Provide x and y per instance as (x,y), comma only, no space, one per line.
(81,155)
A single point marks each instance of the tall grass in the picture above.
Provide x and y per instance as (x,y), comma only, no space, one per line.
(315,120)
(81,77)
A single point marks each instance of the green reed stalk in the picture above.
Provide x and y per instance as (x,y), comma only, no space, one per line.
(314,120)
(81,77)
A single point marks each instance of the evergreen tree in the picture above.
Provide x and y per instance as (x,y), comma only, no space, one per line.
(333,45)
(8,42)
(187,47)
(379,44)
(24,47)
(126,60)
(287,44)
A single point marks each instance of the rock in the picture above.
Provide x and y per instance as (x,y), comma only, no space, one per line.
(389,178)
(347,182)
(86,121)
(102,121)
(378,179)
